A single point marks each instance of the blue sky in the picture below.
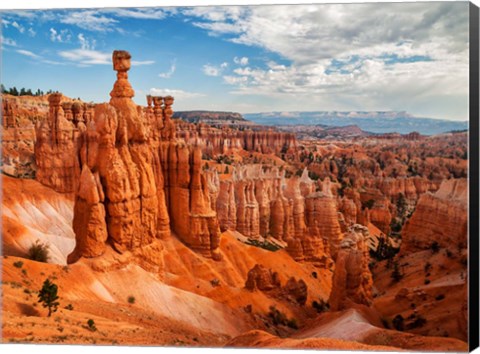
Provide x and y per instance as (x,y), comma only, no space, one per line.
(406,57)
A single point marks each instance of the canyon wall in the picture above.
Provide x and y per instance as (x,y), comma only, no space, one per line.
(224,140)
(440,218)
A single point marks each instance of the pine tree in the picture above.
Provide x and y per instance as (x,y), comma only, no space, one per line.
(48,296)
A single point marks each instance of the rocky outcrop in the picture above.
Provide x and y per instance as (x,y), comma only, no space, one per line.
(8,115)
(440,217)
(225,140)
(192,218)
(262,203)
(352,281)
(89,222)
(261,278)
(56,149)
(296,290)
(137,179)
(321,212)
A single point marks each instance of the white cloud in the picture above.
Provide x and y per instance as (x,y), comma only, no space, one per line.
(18,26)
(241,61)
(5,23)
(31,32)
(397,55)
(142,62)
(60,36)
(179,94)
(214,70)
(85,43)
(86,57)
(142,13)
(170,72)
(91,20)
(8,42)
(211,70)
(28,53)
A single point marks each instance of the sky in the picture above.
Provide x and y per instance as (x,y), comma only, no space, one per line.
(346,57)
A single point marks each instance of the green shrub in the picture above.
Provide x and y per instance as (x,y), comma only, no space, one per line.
(398,323)
(131,299)
(321,306)
(18,264)
(91,325)
(48,296)
(397,275)
(292,323)
(39,252)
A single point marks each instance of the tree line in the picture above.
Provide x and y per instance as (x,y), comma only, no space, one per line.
(23,91)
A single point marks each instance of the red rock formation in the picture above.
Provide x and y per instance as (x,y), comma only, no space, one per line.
(89,217)
(192,218)
(226,140)
(261,278)
(352,281)
(226,206)
(151,182)
(440,217)
(321,210)
(8,114)
(56,150)
(296,290)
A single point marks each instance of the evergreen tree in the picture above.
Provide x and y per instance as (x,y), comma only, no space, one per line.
(48,296)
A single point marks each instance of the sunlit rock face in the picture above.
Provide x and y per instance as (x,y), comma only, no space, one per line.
(352,281)
(137,182)
(440,218)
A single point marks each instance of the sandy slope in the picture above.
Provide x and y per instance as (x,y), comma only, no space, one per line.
(362,325)
(30,212)
(439,302)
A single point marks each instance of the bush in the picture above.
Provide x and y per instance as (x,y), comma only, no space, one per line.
(265,245)
(48,296)
(397,275)
(131,299)
(18,264)
(38,252)
(398,323)
(278,318)
(292,323)
(91,325)
(321,306)
(435,247)
(426,282)
(69,307)
(368,204)
(418,321)
(440,297)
